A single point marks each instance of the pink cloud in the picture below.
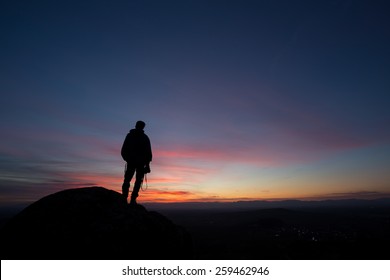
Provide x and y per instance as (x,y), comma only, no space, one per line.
(215,154)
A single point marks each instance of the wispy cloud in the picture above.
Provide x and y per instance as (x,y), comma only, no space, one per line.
(356,195)
(164,195)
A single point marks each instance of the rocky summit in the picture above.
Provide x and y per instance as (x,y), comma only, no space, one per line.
(92,223)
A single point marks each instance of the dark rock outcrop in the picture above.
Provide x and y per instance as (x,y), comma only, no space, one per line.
(92,223)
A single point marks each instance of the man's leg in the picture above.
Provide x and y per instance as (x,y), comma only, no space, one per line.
(129,173)
(139,177)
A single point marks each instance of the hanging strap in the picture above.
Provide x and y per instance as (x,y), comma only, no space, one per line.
(146,183)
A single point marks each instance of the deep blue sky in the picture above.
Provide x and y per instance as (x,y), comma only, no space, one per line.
(242,99)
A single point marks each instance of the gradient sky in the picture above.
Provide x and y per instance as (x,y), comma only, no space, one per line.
(242,99)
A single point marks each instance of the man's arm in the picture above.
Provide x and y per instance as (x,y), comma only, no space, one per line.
(149,150)
(124,150)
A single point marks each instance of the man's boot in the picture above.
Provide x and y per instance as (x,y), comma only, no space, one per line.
(133,201)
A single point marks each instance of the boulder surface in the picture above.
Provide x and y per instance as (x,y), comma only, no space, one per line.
(92,223)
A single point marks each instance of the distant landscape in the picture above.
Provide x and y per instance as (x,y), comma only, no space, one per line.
(256,204)
(332,229)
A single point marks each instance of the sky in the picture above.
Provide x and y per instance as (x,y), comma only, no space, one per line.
(242,99)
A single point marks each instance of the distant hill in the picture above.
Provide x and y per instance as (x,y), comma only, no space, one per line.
(92,223)
(261,204)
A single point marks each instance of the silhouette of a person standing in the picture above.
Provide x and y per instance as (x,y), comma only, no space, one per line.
(137,153)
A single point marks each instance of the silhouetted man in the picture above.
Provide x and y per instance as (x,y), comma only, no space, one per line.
(137,153)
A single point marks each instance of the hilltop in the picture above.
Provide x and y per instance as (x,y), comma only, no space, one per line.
(92,223)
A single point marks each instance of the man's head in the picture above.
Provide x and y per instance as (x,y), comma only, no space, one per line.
(140,125)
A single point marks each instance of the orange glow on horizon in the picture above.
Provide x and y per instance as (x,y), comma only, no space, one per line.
(170,190)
